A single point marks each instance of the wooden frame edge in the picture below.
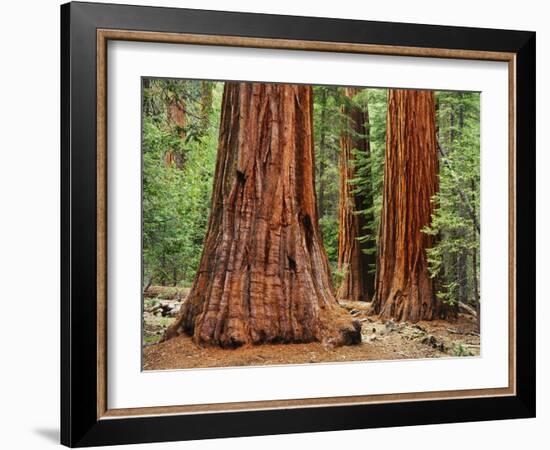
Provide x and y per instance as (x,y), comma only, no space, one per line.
(512,275)
(101,225)
(103,36)
(289,44)
(120,413)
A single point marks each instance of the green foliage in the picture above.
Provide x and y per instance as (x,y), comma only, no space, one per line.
(327,119)
(150,339)
(329,230)
(329,123)
(149,303)
(176,197)
(454,260)
(338,275)
(460,350)
(369,167)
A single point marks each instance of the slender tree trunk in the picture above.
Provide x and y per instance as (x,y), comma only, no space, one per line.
(451,128)
(174,276)
(176,120)
(462,263)
(264,275)
(476,289)
(206,104)
(148,284)
(475,281)
(322,145)
(353,261)
(404,289)
(162,279)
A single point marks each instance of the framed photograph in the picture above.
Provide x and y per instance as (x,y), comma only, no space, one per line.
(277,224)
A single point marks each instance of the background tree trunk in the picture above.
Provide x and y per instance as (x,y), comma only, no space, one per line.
(206,104)
(358,282)
(404,289)
(322,145)
(462,263)
(475,280)
(264,274)
(176,119)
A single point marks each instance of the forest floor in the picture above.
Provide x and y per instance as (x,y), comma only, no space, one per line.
(381,340)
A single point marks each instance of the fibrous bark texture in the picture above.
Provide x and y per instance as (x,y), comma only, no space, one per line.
(263,275)
(404,289)
(353,259)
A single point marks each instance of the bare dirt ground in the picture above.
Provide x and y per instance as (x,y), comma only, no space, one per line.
(381,340)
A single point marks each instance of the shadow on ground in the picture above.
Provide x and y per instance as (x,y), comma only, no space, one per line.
(49,434)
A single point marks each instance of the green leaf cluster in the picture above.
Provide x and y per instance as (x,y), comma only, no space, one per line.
(454,259)
(176,197)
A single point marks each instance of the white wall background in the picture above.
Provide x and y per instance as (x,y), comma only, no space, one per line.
(29,224)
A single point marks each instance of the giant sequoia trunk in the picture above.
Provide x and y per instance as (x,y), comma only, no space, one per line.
(353,261)
(263,275)
(404,289)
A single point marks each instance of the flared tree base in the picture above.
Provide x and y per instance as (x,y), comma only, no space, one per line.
(337,331)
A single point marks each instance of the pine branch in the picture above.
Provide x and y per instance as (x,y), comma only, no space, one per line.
(463,196)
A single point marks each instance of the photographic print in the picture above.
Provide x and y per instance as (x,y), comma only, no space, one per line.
(298,224)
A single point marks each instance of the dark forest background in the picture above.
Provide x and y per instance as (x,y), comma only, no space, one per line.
(180,138)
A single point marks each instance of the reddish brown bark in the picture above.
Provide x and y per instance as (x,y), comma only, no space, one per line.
(263,275)
(176,116)
(353,261)
(177,120)
(404,289)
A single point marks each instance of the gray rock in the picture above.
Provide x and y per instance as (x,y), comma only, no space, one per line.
(433,342)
